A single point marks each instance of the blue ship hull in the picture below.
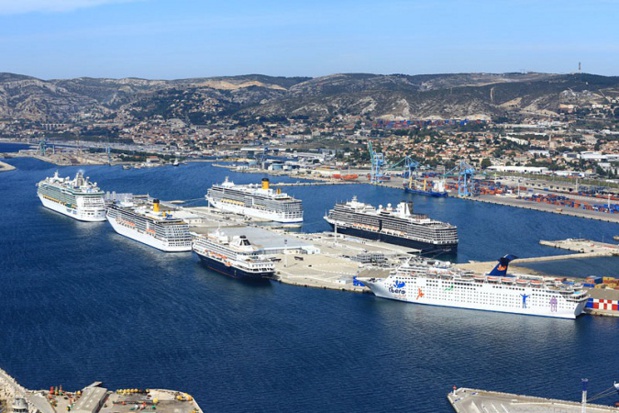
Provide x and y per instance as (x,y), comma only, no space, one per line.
(425,247)
(426,193)
(232,271)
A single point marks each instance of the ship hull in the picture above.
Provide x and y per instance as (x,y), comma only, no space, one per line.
(424,247)
(145,238)
(478,297)
(232,271)
(253,212)
(425,193)
(87,215)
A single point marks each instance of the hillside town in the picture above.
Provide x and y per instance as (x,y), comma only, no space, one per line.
(563,147)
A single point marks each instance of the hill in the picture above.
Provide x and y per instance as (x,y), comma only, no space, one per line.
(203,100)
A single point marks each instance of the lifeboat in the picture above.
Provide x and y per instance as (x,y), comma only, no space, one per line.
(479,278)
(536,283)
(507,280)
(492,278)
(522,282)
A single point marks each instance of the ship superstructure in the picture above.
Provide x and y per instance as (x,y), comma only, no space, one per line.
(434,188)
(77,198)
(234,256)
(397,225)
(433,282)
(258,201)
(148,223)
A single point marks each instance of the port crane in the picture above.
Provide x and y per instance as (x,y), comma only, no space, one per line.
(379,166)
(377,161)
(465,172)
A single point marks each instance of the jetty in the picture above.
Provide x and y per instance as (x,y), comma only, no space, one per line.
(464,400)
(4,167)
(92,399)
(581,248)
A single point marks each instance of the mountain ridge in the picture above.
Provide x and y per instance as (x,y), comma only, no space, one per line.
(207,99)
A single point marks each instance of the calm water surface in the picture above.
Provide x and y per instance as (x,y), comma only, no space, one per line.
(79,303)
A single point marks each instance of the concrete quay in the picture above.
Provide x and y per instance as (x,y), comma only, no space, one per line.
(93,399)
(5,167)
(538,206)
(464,400)
(582,248)
(585,247)
(338,262)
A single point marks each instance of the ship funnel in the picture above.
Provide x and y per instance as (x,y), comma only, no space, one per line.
(265,183)
(155,205)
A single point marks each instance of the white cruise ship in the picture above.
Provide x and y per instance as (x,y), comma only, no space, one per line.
(399,225)
(258,201)
(235,256)
(77,198)
(433,282)
(148,224)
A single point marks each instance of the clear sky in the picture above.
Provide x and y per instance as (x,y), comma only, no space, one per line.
(175,39)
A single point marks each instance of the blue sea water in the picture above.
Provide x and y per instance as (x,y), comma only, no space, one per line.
(79,303)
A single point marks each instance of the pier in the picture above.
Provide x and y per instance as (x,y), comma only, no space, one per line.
(5,167)
(464,400)
(94,399)
(581,248)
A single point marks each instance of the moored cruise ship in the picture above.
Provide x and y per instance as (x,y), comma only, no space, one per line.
(77,198)
(235,256)
(433,282)
(397,225)
(147,223)
(258,201)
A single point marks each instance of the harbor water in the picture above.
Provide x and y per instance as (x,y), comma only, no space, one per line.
(79,303)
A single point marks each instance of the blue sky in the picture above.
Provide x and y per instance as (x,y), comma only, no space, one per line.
(175,39)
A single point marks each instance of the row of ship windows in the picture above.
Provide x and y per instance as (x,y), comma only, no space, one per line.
(486,300)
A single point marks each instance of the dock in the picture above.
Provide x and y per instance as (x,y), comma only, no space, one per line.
(464,400)
(581,248)
(5,167)
(93,399)
(584,246)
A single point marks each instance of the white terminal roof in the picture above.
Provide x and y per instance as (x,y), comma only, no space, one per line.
(269,241)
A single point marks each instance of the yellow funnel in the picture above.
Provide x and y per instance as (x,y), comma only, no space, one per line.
(265,183)
(155,205)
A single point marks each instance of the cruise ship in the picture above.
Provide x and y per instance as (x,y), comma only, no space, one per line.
(433,282)
(258,201)
(147,223)
(77,198)
(235,257)
(397,225)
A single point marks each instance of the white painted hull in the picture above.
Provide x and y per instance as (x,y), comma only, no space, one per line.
(255,213)
(478,296)
(81,214)
(146,238)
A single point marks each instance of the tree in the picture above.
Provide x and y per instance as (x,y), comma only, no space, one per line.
(485,163)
